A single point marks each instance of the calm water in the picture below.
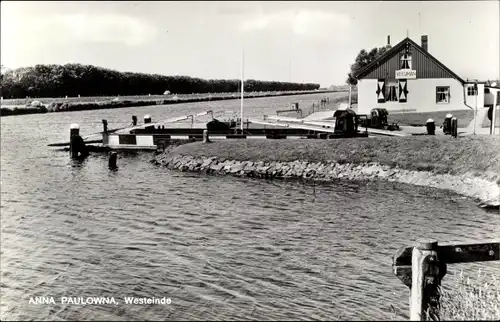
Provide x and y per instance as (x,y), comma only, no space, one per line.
(219,247)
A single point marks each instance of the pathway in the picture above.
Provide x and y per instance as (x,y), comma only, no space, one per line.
(482,113)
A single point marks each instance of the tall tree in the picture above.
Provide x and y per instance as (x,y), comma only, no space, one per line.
(363,59)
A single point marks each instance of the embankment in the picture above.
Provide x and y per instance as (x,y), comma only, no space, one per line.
(469,166)
(59,106)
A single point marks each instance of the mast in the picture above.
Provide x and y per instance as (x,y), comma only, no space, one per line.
(242,87)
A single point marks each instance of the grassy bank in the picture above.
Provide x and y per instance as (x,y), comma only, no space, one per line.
(477,154)
(464,117)
(61,105)
(470,299)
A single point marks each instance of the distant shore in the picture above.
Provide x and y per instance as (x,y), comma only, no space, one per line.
(468,166)
(50,105)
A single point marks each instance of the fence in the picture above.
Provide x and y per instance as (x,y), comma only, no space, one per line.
(422,267)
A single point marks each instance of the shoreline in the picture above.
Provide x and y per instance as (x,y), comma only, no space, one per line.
(61,106)
(482,185)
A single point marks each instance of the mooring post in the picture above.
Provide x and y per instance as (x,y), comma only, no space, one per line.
(112,160)
(425,280)
(431,127)
(74,134)
(454,127)
(134,120)
(205,136)
(105,126)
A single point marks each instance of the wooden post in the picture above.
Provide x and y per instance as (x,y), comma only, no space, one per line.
(104,126)
(112,160)
(431,127)
(425,280)
(423,267)
(74,133)
(493,116)
(205,137)
(350,96)
(454,127)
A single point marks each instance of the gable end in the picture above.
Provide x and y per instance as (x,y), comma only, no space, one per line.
(425,64)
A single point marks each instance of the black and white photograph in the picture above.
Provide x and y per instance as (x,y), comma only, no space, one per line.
(250,160)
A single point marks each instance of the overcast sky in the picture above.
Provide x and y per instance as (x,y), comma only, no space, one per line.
(318,40)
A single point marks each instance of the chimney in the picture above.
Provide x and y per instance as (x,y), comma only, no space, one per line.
(424,43)
(388,39)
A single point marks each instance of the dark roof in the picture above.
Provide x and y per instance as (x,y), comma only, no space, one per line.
(395,50)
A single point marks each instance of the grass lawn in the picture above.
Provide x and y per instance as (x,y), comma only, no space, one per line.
(442,154)
(464,117)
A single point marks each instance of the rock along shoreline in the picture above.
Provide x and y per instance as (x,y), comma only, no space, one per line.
(468,185)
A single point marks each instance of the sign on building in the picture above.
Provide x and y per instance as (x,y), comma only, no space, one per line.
(406,74)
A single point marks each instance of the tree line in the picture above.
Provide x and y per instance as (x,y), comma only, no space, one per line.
(87,80)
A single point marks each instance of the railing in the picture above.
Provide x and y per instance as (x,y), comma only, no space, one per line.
(316,106)
(422,267)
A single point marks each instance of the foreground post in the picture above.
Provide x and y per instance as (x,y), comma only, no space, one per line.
(425,280)
(422,268)
(205,136)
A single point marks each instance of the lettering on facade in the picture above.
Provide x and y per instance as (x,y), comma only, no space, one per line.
(406,74)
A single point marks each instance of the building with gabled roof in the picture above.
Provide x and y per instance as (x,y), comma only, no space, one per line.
(408,78)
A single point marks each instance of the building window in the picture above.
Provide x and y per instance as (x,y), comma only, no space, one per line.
(442,94)
(391,92)
(406,61)
(471,91)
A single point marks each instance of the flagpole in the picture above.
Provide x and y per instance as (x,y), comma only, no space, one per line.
(242,87)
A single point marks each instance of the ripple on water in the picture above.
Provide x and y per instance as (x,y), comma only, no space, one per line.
(219,247)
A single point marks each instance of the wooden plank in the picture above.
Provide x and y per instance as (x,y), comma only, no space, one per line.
(296,126)
(403,256)
(469,253)
(67,143)
(404,273)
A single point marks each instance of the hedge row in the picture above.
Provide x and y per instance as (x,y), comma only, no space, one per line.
(88,80)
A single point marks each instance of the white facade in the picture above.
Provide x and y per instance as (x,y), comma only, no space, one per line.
(471,99)
(421,96)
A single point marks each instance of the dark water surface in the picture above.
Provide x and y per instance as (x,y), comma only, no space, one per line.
(219,247)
